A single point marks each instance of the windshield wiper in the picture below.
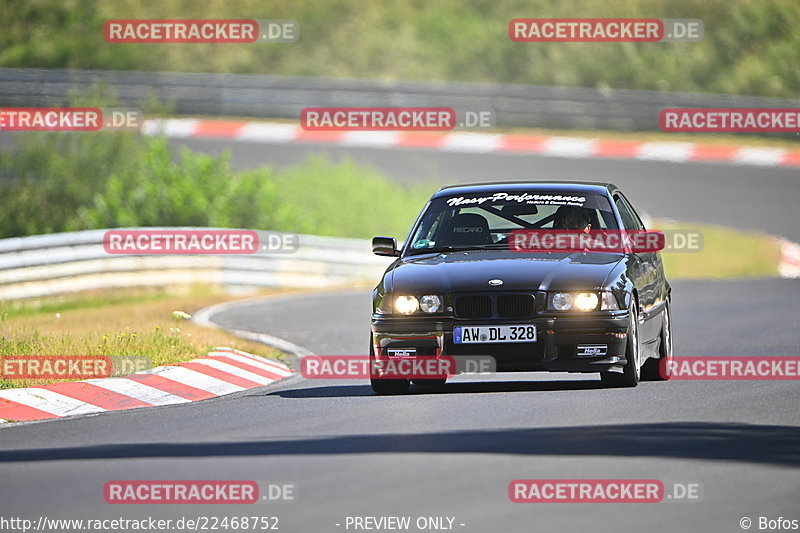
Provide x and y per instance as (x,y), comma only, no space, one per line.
(432,250)
(459,248)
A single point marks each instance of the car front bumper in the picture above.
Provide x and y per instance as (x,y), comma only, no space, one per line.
(560,346)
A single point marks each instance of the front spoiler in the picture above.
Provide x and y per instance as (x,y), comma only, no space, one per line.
(554,351)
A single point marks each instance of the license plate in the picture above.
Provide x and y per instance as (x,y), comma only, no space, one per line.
(484,334)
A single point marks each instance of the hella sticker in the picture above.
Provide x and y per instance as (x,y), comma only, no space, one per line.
(592,350)
(401,352)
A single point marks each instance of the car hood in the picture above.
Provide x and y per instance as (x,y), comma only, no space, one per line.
(471,271)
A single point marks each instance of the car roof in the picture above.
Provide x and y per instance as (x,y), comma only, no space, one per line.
(586,187)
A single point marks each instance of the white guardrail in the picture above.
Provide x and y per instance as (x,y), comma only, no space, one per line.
(43,265)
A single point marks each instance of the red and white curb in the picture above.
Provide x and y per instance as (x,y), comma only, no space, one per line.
(789,266)
(465,142)
(221,372)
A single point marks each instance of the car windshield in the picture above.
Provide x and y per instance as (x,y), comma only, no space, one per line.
(485,220)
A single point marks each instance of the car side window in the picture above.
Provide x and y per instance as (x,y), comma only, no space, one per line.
(630,220)
(423,237)
(636,217)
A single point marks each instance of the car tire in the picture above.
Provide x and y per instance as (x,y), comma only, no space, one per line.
(389,386)
(631,371)
(386,386)
(429,383)
(660,369)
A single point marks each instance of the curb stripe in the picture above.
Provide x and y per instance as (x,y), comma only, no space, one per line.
(222,371)
(264,370)
(50,402)
(662,151)
(759,156)
(92,394)
(185,127)
(222,375)
(137,390)
(370,138)
(617,149)
(412,139)
(19,411)
(475,142)
(789,266)
(268,366)
(173,387)
(219,128)
(569,147)
(791,158)
(215,386)
(271,363)
(472,142)
(714,152)
(319,136)
(523,143)
(218,364)
(269,133)
(231,361)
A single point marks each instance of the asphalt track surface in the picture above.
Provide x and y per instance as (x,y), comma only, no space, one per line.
(453,452)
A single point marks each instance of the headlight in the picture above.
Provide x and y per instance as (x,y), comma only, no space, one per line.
(580,301)
(406,305)
(430,303)
(586,301)
(562,301)
(609,302)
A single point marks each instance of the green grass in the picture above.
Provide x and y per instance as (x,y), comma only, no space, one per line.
(140,324)
(85,300)
(726,254)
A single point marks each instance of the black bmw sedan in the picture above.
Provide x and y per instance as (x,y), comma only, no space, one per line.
(462,286)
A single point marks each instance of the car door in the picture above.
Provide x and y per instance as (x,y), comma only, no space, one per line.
(646,271)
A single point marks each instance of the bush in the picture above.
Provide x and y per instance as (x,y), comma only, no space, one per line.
(66,182)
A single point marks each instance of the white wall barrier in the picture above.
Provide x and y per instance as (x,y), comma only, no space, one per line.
(60,263)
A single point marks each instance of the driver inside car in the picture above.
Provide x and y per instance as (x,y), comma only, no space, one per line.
(573,218)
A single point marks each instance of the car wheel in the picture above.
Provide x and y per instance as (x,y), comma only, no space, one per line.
(386,386)
(632,370)
(660,369)
(429,382)
(389,386)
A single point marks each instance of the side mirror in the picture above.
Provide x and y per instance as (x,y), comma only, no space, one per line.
(385,246)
